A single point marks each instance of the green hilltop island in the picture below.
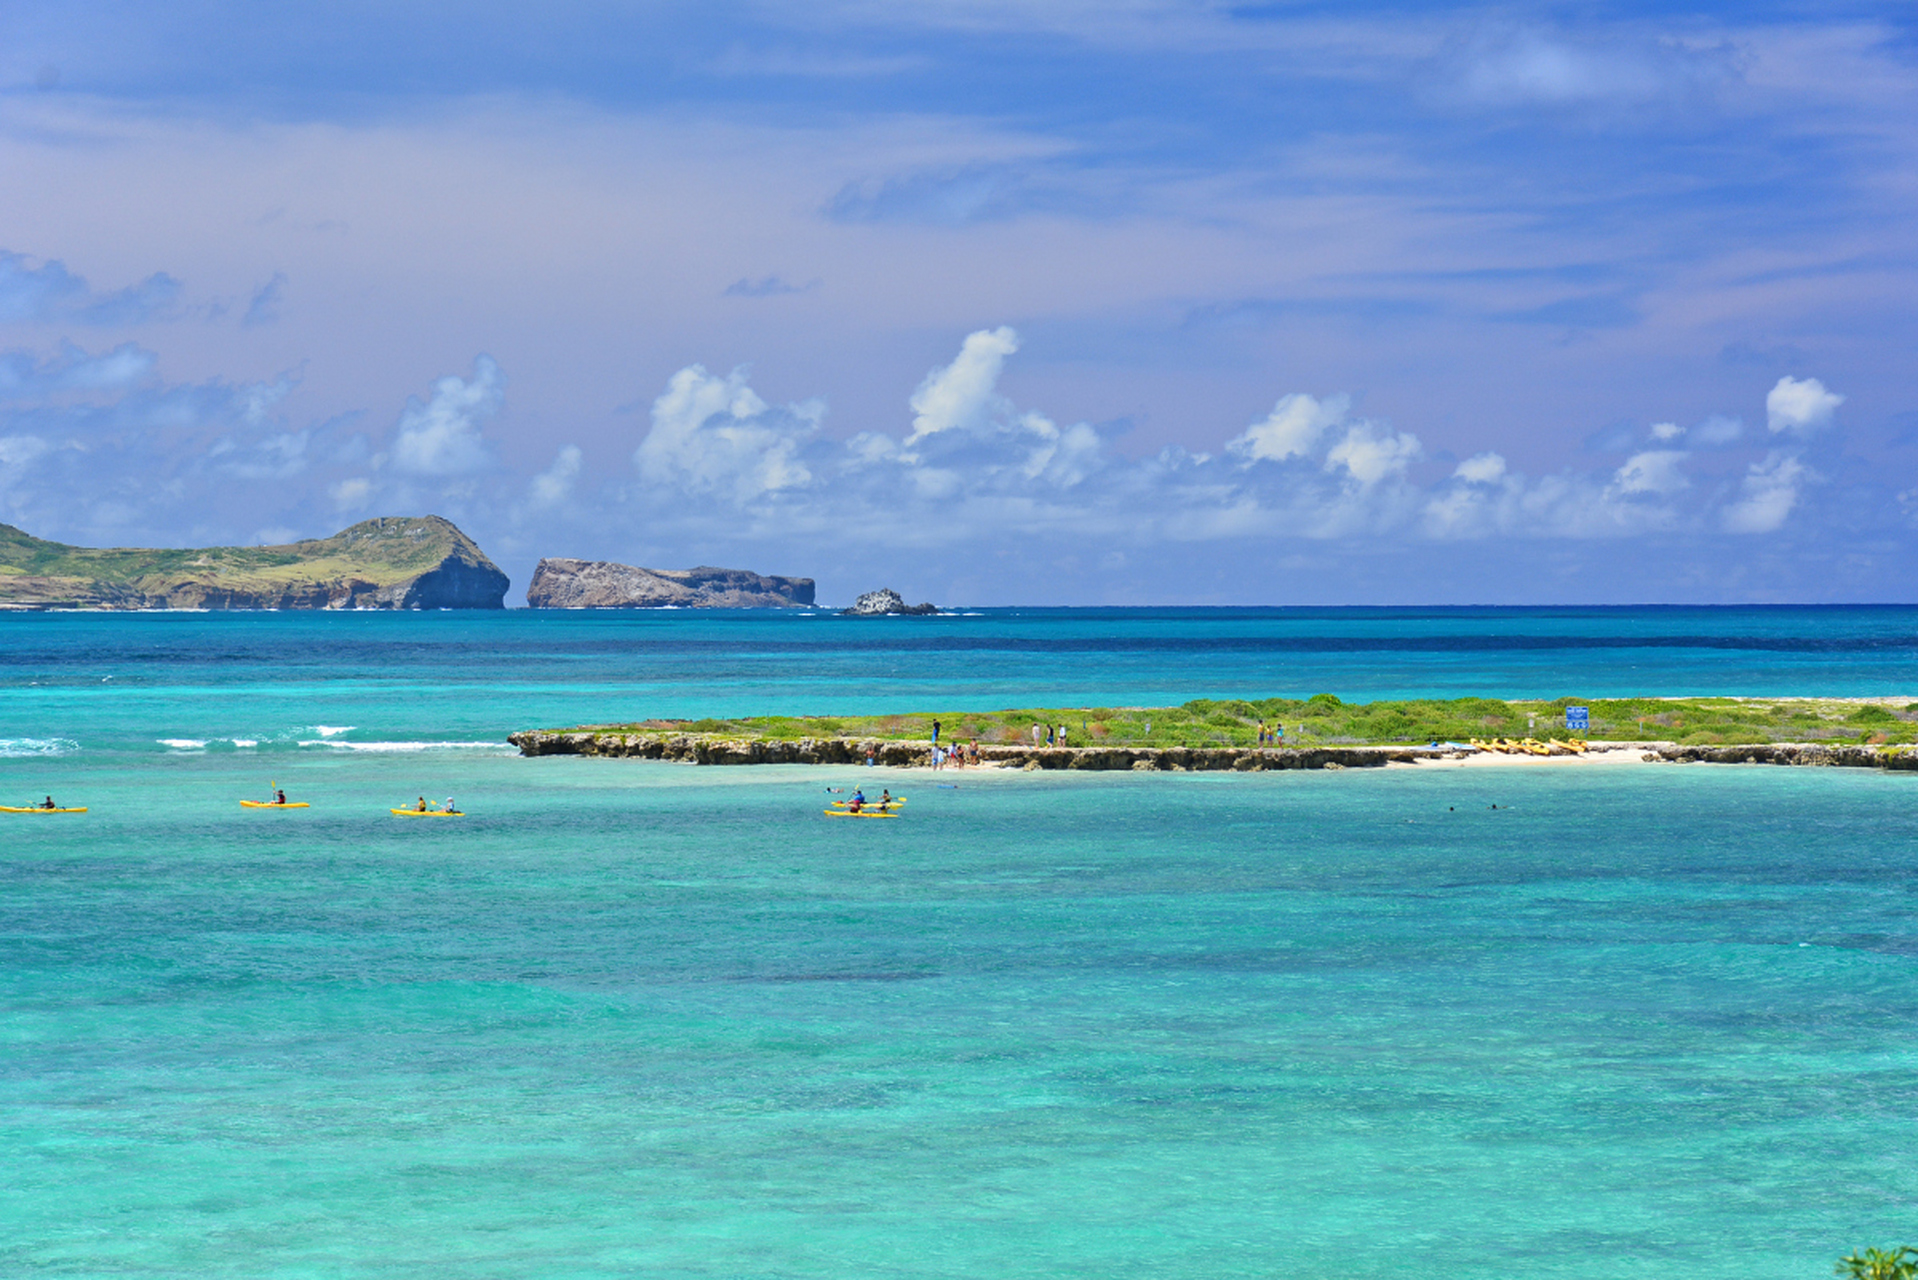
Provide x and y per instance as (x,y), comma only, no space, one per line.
(392,562)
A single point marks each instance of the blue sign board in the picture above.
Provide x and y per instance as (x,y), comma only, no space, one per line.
(1578,719)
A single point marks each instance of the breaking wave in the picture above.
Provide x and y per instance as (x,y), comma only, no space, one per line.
(16,748)
(337,745)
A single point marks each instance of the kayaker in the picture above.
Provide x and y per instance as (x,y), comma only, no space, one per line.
(858,803)
(885,798)
(859,795)
(48,803)
(422,805)
(449,805)
(279,796)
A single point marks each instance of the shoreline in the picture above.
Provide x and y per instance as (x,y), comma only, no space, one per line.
(720,750)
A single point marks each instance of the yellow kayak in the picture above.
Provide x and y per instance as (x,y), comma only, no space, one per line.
(427,813)
(863,813)
(274,804)
(7,808)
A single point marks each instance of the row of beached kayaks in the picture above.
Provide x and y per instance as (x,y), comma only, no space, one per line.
(1532,747)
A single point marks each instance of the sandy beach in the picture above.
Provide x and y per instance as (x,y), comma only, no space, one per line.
(1610,754)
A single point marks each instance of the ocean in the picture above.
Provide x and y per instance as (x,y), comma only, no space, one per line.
(635,1019)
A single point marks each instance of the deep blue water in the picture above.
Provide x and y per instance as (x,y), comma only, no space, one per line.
(651,1020)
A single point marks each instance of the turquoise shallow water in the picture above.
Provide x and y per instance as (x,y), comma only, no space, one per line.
(650,1020)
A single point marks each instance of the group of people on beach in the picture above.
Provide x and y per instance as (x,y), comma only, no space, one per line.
(1271,735)
(958,756)
(1055,735)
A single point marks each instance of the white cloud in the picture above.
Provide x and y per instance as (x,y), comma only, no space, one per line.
(1369,453)
(1655,471)
(713,435)
(1292,429)
(1666,431)
(554,485)
(1481,468)
(961,395)
(442,437)
(1767,495)
(1063,456)
(1800,407)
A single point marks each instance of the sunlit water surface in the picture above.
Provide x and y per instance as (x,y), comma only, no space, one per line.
(650,1020)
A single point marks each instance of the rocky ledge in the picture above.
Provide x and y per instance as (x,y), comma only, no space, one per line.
(602,584)
(719,749)
(401,562)
(1813,754)
(885,602)
(707,748)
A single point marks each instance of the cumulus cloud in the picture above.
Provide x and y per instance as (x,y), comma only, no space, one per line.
(117,447)
(961,395)
(1655,471)
(1767,495)
(715,436)
(554,485)
(442,436)
(1370,453)
(1292,429)
(1481,468)
(1800,407)
(969,457)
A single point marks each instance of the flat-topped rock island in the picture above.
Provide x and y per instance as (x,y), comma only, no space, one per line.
(560,583)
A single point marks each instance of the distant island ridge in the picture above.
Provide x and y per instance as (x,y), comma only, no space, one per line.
(389,562)
(403,562)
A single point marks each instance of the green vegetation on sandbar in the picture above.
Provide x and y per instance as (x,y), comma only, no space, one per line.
(1323,720)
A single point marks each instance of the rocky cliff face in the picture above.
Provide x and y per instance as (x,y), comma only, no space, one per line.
(602,584)
(387,563)
(880,603)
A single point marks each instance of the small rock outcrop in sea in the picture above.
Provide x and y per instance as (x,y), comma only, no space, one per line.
(403,562)
(883,602)
(602,584)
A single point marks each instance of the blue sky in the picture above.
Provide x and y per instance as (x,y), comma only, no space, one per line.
(990,301)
